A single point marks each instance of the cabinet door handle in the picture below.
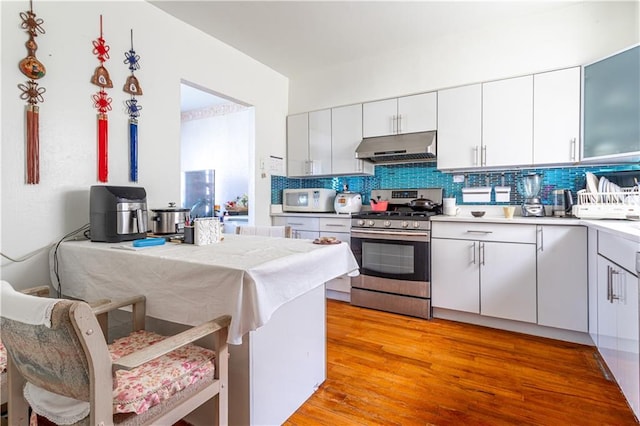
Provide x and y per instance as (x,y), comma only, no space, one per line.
(473,253)
(475,156)
(614,296)
(572,146)
(482,253)
(541,233)
(483,157)
(394,124)
(609,279)
(399,123)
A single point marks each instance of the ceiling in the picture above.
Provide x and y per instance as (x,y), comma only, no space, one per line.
(294,37)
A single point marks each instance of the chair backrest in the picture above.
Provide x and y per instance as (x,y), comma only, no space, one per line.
(42,291)
(266,231)
(53,358)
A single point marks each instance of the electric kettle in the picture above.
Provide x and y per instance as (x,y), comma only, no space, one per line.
(562,202)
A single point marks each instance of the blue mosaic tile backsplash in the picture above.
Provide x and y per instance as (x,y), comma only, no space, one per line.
(425,175)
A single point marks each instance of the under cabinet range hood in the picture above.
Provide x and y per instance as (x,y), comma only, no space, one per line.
(409,147)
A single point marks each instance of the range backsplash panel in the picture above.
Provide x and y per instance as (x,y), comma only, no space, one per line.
(425,175)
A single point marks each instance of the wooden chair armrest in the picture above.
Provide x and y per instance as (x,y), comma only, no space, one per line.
(111,305)
(171,343)
(41,291)
(96,303)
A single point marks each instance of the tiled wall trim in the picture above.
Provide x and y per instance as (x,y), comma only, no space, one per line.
(425,175)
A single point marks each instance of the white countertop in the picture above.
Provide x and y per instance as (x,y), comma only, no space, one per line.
(331,215)
(493,214)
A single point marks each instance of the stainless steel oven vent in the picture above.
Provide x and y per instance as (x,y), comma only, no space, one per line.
(410,147)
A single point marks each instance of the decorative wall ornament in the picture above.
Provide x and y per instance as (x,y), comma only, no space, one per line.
(32,93)
(132,87)
(102,102)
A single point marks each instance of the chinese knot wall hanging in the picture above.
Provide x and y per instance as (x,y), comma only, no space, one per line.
(102,103)
(132,87)
(34,70)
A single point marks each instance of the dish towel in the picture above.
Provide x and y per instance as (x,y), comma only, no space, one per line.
(18,306)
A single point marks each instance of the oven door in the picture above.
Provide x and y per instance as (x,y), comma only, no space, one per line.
(398,255)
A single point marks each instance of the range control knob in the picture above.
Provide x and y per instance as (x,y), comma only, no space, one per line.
(387,223)
(416,224)
(405,224)
(360,222)
(371,223)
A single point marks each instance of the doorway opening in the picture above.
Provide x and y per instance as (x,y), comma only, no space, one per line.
(216,159)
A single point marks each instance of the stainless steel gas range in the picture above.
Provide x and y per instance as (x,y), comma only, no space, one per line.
(393,249)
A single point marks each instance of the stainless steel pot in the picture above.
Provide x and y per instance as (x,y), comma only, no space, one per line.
(169,220)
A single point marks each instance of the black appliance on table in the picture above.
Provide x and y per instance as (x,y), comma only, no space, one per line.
(393,250)
(117,213)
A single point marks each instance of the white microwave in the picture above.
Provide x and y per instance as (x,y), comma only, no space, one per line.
(311,200)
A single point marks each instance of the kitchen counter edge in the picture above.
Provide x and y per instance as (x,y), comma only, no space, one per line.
(622,228)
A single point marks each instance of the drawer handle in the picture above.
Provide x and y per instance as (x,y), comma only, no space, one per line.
(335,225)
(471,231)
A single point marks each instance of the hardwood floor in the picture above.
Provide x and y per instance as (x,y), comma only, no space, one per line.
(388,369)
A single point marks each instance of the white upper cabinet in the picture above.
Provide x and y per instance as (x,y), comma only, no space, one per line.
(459,127)
(556,116)
(320,142)
(309,144)
(297,144)
(346,132)
(507,124)
(324,142)
(408,114)
(418,113)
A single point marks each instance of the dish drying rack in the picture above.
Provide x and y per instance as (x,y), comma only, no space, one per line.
(623,204)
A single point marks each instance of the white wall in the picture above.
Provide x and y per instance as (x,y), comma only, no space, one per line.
(33,216)
(573,35)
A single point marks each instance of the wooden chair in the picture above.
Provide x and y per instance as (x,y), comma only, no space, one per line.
(140,379)
(41,291)
(266,231)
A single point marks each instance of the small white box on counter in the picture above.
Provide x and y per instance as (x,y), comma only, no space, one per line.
(503,194)
(481,194)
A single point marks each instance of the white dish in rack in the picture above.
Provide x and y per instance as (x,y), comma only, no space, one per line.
(592,182)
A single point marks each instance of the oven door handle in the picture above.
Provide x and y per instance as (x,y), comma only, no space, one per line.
(391,235)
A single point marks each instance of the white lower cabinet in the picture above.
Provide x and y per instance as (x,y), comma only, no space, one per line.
(562,277)
(530,273)
(312,227)
(301,226)
(618,335)
(485,269)
(455,275)
(508,281)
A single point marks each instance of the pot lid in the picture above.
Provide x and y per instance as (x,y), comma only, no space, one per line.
(172,208)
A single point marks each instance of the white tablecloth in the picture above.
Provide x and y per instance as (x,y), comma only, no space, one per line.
(247,277)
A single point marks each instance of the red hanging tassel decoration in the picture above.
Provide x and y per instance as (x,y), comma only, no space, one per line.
(33,69)
(102,103)
(103,160)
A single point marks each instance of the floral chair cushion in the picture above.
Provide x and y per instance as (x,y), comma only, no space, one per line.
(152,383)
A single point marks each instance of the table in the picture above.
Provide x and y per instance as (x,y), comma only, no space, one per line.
(272,287)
